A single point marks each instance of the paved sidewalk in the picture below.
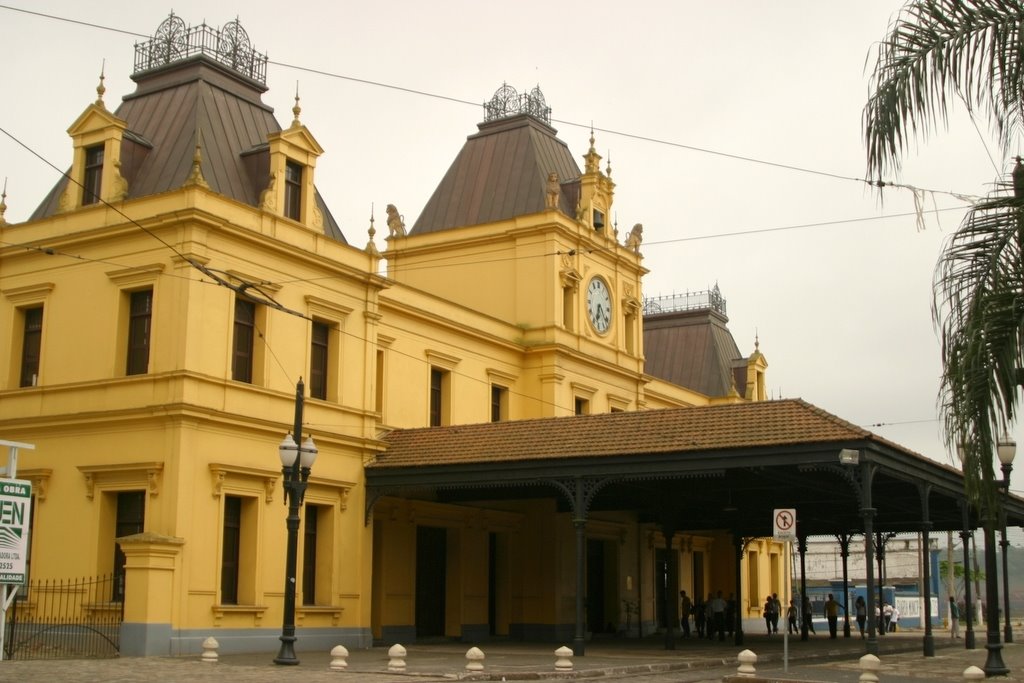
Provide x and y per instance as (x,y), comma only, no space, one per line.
(819,659)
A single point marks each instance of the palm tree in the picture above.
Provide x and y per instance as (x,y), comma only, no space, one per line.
(939,53)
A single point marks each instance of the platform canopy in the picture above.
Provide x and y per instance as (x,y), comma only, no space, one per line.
(713,467)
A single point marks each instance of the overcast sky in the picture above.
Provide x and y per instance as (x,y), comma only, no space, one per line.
(705,108)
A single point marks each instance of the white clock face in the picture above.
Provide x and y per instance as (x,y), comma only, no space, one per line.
(599,305)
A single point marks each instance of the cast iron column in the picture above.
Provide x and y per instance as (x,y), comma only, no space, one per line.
(737,612)
(805,627)
(926,525)
(580,522)
(671,602)
(965,538)
(1005,545)
(994,665)
(868,514)
(844,552)
(880,555)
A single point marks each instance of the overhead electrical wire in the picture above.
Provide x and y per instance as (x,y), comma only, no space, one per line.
(878,183)
(244,288)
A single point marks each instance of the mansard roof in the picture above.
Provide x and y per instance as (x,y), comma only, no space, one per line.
(693,349)
(195,98)
(501,172)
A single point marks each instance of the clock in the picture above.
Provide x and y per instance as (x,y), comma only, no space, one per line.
(599,305)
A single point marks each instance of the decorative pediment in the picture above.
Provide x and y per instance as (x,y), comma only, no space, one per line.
(122,476)
(93,119)
(297,138)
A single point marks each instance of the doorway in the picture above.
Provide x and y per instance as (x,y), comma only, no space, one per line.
(431,557)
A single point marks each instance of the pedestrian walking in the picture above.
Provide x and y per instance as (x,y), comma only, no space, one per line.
(685,607)
(791,618)
(831,611)
(861,610)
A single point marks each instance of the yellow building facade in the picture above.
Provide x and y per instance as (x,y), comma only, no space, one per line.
(166,297)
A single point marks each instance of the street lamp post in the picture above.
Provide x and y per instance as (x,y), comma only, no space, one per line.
(1006,449)
(994,665)
(296,461)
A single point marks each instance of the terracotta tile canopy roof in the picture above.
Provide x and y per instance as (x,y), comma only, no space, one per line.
(790,422)
(704,467)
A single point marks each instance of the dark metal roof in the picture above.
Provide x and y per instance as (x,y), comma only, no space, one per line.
(501,172)
(707,467)
(174,104)
(693,349)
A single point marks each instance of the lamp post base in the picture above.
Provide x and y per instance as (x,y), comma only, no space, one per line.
(994,665)
(1008,634)
(286,655)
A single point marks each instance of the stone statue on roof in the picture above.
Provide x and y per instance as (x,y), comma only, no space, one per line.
(396,222)
(634,238)
(553,192)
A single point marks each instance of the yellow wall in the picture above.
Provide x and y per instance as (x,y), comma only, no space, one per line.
(190,436)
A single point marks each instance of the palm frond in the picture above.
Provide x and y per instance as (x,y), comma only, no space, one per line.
(978,306)
(937,52)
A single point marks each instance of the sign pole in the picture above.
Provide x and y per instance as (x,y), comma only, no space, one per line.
(784,530)
(785,634)
(7,596)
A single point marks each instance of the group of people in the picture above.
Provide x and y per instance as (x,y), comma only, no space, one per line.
(715,617)
(771,611)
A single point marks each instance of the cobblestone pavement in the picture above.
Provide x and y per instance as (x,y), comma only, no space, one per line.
(646,661)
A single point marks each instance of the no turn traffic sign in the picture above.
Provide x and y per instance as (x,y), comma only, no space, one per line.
(784,524)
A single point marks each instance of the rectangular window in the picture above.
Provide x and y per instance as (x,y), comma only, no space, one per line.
(582,406)
(245,333)
(568,308)
(318,360)
(93,178)
(309,543)
(499,403)
(140,320)
(293,190)
(378,399)
(231,552)
(630,329)
(131,518)
(31,346)
(438,397)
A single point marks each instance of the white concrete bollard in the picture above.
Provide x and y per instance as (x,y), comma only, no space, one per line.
(474,659)
(210,646)
(973,673)
(563,661)
(746,669)
(339,658)
(397,654)
(870,665)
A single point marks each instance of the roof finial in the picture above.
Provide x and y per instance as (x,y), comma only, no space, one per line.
(101,89)
(608,168)
(195,177)
(592,160)
(757,340)
(3,203)
(371,248)
(296,110)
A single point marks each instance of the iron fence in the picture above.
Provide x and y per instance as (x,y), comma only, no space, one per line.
(65,619)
